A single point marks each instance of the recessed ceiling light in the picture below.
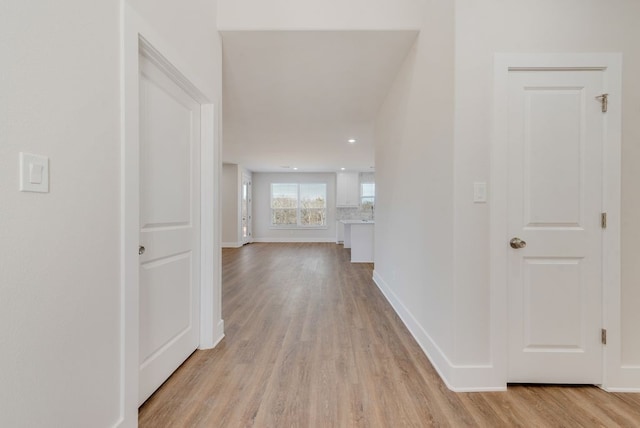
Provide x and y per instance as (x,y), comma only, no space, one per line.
(295,168)
(351,140)
(342,169)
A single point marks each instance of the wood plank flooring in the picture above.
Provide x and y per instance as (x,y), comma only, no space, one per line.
(311,342)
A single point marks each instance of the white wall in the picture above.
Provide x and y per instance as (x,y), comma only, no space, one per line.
(189,26)
(59,251)
(230,205)
(60,304)
(414,188)
(315,15)
(262,208)
(483,28)
(436,270)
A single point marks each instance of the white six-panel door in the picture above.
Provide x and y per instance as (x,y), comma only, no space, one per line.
(554,202)
(169,227)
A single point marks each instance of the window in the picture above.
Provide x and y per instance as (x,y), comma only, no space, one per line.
(298,204)
(367,195)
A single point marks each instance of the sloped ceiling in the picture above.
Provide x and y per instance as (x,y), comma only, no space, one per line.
(294,98)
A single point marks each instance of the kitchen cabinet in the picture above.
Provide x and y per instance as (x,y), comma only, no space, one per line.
(339,232)
(348,189)
(359,236)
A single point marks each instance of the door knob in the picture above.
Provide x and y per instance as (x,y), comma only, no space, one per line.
(517,243)
(141,250)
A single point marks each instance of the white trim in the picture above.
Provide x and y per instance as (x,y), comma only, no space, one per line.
(218,333)
(623,390)
(232,244)
(245,175)
(458,378)
(128,239)
(209,186)
(137,36)
(295,240)
(611,65)
(431,349)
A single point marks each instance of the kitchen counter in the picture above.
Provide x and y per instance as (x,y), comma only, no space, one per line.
(358,235)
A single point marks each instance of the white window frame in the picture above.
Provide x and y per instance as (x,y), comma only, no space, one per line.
(368,197)
(298,224)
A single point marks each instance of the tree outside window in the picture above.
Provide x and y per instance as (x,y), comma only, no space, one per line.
(299,204)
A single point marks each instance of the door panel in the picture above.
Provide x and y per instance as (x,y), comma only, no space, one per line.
(554,205)
(559,325)
(553,145)
(169,226)
(165,309)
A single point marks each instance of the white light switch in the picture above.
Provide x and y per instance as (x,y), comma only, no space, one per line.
(34,173)
(479,193)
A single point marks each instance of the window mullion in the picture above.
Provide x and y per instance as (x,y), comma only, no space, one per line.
(298,208)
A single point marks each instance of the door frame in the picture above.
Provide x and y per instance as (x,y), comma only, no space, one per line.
(244,174)
(137,38)
(611,66)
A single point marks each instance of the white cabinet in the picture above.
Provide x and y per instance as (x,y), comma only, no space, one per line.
(359,236)
(348,189)
(362,242)
(339,232)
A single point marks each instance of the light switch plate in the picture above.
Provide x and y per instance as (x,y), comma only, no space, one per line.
(479,193)
(34,173)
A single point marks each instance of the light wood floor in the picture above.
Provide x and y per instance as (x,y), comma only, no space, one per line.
(311,342)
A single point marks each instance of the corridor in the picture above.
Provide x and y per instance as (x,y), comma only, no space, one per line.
(311,342)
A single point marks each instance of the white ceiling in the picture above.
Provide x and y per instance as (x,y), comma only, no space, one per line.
(294,98)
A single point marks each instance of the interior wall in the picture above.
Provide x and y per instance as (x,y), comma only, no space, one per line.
(185,33)
(189,26)
(544,26)
(262,231)
(60,273)
(414,188)
(325,15)
(59,251)
(230,204)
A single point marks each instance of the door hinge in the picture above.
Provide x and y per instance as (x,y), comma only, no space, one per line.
(603,220)
(603,336)
(604,99)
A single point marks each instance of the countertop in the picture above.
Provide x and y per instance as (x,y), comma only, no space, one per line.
(357,221)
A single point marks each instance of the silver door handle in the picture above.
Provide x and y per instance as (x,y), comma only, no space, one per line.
(141,250)
(517,243)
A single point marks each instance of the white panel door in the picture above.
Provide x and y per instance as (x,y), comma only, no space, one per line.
(554,205)
(169,226)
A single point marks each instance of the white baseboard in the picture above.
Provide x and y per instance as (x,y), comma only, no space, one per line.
(218,333)
(622,390)
(231,244)
(458,378)
(623,379)
(294,240)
